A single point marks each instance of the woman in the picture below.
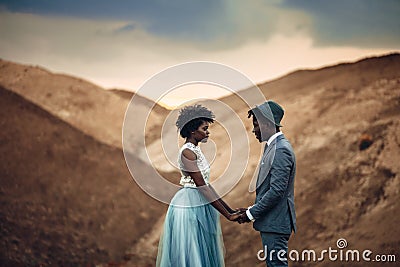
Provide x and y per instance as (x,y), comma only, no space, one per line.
(192,232)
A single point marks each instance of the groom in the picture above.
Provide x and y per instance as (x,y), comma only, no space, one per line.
(273,213)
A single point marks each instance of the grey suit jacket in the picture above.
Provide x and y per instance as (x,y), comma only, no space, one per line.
(274,209)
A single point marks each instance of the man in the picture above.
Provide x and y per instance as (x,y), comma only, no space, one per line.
(273,213)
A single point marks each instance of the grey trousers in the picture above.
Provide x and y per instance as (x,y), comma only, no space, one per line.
(275,247)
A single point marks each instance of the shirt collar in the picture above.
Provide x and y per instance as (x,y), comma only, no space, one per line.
(273,137)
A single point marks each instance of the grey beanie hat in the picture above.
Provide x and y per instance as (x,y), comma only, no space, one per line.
(269,108)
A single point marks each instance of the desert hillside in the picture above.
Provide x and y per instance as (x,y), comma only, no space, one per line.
(143,100)
(156,112)
(67,199)
(84,105)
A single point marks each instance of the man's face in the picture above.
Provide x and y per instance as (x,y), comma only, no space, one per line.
(262,131)
(256,129)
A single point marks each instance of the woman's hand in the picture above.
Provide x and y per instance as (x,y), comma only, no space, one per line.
(234,216)
(240,209)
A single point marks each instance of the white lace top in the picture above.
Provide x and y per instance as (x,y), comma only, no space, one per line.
(202,164)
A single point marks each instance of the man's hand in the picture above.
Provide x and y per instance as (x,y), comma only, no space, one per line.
(243,216)
(241,209)
(233,217)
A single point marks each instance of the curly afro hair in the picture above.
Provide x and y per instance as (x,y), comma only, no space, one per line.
(191,117)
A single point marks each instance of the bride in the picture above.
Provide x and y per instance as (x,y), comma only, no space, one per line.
(192,232)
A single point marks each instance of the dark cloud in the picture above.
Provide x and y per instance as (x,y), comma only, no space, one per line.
(202,22)
(169,18)
(126,28)
(229,23)
(360,23)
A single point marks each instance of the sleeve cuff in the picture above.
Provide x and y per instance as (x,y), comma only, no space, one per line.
(251,218)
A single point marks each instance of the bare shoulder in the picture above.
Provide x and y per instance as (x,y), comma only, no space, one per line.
(189,154)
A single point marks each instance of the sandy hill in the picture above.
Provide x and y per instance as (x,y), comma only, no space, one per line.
(144,100)
(66,198)
(156,111)
(84,105)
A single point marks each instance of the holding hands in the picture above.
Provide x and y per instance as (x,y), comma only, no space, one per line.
(233,217)
(239,215)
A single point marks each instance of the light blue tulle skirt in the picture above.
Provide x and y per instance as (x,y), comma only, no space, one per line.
(192,233)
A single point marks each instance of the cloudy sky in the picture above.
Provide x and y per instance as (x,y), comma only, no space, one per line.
(123,43)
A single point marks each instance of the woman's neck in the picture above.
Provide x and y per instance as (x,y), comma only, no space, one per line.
(192,140)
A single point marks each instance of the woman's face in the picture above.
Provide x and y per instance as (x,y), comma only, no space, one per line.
(202,133)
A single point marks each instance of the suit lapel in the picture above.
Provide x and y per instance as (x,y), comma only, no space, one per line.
(267,160)
(254,179)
